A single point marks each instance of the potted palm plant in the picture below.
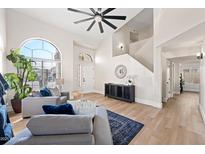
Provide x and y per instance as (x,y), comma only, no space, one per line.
(19,81)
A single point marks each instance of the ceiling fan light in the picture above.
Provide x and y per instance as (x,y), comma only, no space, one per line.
(98,18)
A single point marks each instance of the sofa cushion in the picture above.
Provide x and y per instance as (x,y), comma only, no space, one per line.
(60,124)
(36,94)
(26,138)
(62,99)
(45,92)
(55,91)
(58,109)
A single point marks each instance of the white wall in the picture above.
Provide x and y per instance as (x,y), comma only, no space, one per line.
(21,27)
(2,40)
(157,62)
(193,87)
(105,73)
(181,52)
(145,33)
(164,77)
(121,37)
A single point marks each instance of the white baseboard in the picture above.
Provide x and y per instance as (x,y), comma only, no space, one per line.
(202,112)
(148,102)
(164,99)
(141,101)
(177,92)
(98,91)
(191,90)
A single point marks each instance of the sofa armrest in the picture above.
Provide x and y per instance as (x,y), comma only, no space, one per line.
(67,94)
(102,131)
(33,105)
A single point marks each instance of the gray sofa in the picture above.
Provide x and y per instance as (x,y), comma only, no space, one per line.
(33,105)
(97,133)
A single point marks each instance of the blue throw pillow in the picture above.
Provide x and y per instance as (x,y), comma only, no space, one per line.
(58,109)
(3,85)
(6,131)
(3,116)
(45,92)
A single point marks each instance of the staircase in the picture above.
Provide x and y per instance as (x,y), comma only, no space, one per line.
(142,51)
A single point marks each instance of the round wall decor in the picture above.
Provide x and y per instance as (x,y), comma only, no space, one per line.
(120,71)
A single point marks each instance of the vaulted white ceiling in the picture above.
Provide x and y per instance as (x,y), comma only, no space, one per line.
(141,21)
(191,38)
(60,17)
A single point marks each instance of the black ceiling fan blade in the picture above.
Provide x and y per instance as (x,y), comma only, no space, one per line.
(83,20)
(109,24)
(99,9)
(107,11)
(115,17)
(78,11)
(91,25)
(93,10)
(100,26)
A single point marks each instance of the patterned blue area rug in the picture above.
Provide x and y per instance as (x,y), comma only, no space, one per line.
(123,129)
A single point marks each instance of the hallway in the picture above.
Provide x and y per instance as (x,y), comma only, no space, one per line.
(184,118)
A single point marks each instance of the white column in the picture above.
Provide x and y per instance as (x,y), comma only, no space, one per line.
(157,78)
(176,78)
(2,41)
(202,85)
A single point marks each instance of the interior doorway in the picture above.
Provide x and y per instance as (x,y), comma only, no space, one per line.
(84,68)
(87,79)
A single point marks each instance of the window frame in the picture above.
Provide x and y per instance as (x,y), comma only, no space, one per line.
(42,60)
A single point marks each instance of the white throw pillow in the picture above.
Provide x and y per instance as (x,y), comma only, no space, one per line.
(60,124)
(55,91)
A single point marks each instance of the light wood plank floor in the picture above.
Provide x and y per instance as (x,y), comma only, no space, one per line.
(179,122)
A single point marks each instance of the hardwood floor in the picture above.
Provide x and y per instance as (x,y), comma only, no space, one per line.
(179,122)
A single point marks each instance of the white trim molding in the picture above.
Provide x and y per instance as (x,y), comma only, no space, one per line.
(165,99)
(177,92)
(148,102)
(98,91)
(202,112)
(141,101)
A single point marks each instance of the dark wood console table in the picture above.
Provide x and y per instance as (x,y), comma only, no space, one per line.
(120,91)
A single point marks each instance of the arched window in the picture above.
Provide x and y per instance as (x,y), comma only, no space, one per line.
(47,61)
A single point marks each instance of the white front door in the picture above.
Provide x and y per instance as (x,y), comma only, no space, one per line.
(87,78)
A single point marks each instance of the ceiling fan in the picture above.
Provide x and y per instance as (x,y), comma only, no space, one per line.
(98,16)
